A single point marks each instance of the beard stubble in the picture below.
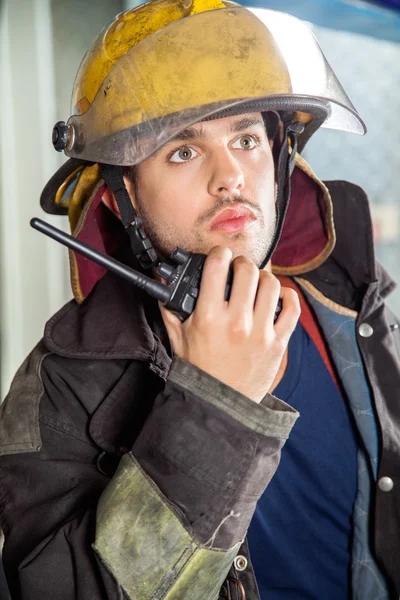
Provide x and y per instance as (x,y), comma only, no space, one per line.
(165,238)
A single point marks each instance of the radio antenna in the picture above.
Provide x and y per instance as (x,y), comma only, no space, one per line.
(154,288)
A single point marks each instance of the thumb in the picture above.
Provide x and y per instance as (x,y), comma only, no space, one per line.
(173,326)
(168,316)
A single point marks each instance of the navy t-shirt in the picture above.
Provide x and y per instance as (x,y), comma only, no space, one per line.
(300,535)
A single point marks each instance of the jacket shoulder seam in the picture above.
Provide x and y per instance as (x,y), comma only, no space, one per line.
(19,413)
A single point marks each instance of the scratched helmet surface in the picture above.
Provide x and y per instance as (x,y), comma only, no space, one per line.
(168,64)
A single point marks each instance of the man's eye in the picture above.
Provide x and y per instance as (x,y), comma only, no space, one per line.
(245,142)
(183,155)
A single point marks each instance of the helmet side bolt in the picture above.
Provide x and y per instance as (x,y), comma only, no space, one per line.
(61,136)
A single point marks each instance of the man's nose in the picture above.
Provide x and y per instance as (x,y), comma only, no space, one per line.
(226,175)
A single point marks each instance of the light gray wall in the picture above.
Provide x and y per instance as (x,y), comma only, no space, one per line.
(31,273)
(41,45)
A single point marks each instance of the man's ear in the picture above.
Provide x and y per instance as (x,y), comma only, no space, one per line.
(131,191)
(109,200)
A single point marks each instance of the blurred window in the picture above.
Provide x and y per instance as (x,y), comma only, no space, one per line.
(369,70)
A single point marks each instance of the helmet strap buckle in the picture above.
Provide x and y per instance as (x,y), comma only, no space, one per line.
(140,243)
(286,165)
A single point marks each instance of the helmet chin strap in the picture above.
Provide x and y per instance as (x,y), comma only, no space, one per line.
(140,243)
(286,164)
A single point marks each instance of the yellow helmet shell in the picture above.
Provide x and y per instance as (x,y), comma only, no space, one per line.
(165,65)
(125,32)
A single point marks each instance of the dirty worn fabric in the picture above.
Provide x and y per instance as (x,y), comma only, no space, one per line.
(200,455)
(103,387)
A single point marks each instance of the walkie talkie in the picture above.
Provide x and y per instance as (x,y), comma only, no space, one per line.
(183,276)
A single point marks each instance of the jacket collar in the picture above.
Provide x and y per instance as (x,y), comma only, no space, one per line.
(118,321)
(351,267)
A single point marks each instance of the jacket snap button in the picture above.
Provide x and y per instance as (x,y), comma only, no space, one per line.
(365,330)
(240,562)
(107,463)
(385,484)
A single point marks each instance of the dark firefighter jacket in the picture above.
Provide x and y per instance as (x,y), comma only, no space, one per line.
(124,475)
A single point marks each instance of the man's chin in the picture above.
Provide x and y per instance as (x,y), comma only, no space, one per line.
(240,243)
(240,248)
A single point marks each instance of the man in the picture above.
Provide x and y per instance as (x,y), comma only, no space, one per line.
(139,450)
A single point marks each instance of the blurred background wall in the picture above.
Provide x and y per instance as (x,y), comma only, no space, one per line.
(41,45)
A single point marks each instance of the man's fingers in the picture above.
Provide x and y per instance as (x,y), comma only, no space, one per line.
(290,313)
(213,282)
(268,294)
(244,288)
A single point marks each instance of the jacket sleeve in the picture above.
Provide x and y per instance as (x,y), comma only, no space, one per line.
(167,524)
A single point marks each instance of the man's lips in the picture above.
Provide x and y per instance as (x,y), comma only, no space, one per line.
(233,219)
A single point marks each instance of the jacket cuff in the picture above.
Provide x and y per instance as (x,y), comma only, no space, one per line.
(211,451)
(143,544)
(272,417)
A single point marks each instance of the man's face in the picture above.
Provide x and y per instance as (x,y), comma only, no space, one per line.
(211,185)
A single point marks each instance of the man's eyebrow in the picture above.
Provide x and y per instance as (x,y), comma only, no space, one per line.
(188,134)
(199,133)
(247,123)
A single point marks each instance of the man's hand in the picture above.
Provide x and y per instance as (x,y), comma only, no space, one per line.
(236,341)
